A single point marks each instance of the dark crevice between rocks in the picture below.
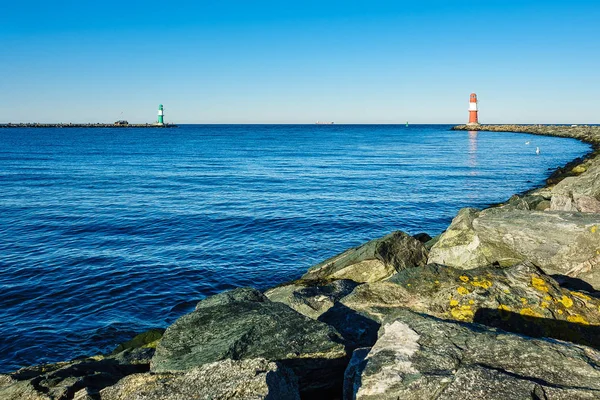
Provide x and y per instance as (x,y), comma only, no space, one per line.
(357,330)
(588,335)
(310,371)
(538,381)
(539,393)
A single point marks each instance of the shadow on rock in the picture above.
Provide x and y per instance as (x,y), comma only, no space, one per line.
(64,382)
(356,329)
(576,332)
(575,284)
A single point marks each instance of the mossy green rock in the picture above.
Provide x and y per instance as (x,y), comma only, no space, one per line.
(372,261)
(420,357)
(148,339)
(244,324)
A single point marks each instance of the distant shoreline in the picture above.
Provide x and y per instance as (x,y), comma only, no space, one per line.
(98,125)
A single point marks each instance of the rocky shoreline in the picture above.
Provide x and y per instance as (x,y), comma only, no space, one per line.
(504,304)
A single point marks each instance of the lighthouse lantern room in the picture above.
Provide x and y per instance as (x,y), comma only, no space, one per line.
(473,109)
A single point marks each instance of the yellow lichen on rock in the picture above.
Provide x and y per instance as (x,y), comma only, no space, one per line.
(566,301)
(581,296)
(503,307)
(453,303)
(547,298)
(523,300)
(482,284)
(544,304)
(464,278)
(528,312)
(463,313)
(578,319)
(539,284)
(594,228)
(462,290)
(559,311)
(580,169)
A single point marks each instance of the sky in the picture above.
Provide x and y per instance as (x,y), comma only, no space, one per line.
(300,61)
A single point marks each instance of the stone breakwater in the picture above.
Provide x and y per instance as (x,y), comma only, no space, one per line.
(504,304)
(97,125)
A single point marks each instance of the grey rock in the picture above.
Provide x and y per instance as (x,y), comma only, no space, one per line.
(308,299)
(256,328)
(578,193)
(421,357)
(520,299)
(78,379)
(372,261)
(529,202)
(565,243)
(21,390)
(223,380)
(233,296)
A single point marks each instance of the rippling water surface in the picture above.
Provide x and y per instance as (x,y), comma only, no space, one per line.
(108,232)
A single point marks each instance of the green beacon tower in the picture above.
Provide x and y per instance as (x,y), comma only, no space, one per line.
(161,115)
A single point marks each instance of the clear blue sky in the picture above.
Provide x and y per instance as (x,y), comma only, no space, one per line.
(300,61)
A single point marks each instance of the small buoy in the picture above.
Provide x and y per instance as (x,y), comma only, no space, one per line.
(537,150)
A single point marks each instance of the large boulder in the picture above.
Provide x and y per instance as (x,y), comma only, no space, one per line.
(372,261)
(579,193)
(309,298)
(564,243)
(421,357)
(519,299)
(244,324)
(244,380)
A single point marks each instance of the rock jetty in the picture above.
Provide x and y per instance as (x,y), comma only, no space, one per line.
(92,125)
(504,304)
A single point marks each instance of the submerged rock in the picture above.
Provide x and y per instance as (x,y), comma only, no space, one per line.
(519,299)
(244,324)
(372,261)
(244,380)
(420,357)
(310,299)
(148,339)
(558,242)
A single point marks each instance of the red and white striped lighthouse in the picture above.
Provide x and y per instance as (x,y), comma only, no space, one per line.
(473,119)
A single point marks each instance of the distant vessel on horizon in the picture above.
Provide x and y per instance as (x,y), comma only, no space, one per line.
(323,123)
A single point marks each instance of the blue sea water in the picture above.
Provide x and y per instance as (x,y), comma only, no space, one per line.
(105,233)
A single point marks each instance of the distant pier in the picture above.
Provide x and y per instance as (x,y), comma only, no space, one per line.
(99,125)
